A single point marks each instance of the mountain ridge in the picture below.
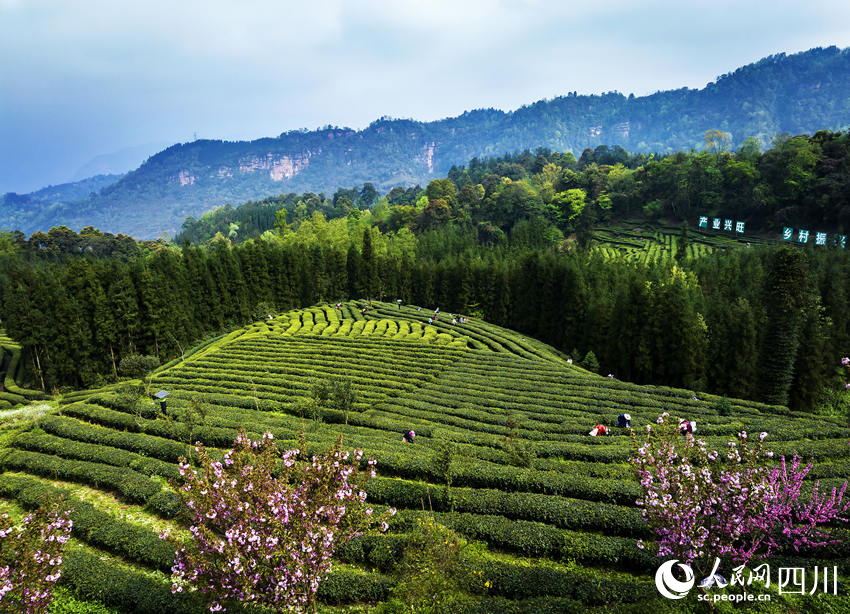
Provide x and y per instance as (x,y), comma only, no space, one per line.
(798,93)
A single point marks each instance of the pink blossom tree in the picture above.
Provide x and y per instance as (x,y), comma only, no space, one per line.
(30,559)
(264,526)
(703,504)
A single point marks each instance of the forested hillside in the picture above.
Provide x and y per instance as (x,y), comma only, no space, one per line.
(799,182)
(520,240)
(29,211)
(795,94)
(761,323)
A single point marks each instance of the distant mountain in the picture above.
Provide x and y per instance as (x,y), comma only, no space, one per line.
(117,162)
(800,93)
(39,209)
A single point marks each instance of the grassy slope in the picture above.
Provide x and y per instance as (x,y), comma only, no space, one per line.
(562,530)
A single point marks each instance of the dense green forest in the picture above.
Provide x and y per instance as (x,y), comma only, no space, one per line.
(509,239)
(794,94)
(763,323)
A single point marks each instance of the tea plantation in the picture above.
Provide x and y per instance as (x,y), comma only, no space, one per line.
(549,510)
(10,393)
(648,243)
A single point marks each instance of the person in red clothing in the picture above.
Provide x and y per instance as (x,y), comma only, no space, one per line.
(599,429)
(686,426)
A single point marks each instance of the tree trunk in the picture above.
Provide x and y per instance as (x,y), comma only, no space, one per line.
(114,368)
(40,375)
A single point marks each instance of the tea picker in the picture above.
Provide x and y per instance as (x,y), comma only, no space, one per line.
(599,429)
(160,396)
(687,426)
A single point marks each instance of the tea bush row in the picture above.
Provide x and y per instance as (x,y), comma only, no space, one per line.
(129,484)
(575,514)
(94,526)
(67,448)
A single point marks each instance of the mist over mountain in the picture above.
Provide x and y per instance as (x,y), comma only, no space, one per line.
(27,212)
(795,94)
(117,162)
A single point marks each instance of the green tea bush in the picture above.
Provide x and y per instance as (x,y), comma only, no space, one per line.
(566,513)
(518,581)
(97,527)
(156,447)
(351,586)
(124,481)
(119,586)
(67,448)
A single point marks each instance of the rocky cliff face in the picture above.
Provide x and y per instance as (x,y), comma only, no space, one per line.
(278,167)
(427,156)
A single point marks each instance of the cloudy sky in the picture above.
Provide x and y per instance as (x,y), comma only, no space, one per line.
(83,78)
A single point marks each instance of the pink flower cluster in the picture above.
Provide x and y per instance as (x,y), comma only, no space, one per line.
(845,362)
(35,552)
(264,526)
(702,503)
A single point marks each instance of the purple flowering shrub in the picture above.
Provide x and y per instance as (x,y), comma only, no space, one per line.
(737,504)
(30,559)
(264,526)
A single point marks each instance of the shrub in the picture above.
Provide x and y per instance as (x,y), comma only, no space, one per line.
(32,556)
(137,365)
(282,522)
(590,362)
(430,574)
(723,407)
(703,505)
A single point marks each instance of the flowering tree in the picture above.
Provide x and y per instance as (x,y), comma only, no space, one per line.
(264,525)
(31,557)
(702,504)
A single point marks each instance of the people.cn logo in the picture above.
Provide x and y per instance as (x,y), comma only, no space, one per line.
(668,585)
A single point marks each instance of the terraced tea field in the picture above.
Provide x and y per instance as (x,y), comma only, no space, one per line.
(10,393)
(559,535)
(648,244)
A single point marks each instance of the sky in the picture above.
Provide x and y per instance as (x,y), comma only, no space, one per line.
(79,79)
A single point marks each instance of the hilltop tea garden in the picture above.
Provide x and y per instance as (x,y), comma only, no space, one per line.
(546,514)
